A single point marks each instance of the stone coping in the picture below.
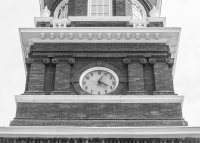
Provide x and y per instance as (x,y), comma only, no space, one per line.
(99,98)
(100,132)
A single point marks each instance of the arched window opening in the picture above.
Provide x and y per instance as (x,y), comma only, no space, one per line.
(137,12)
(61,11)
(135,9)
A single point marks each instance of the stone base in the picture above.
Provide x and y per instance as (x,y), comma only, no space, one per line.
(60,93)
(34,93)
(136,93)
(98,123)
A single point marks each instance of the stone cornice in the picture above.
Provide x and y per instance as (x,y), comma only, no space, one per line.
(99,132)
(99,99)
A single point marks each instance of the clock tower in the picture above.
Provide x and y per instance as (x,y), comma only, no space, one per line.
(99,71)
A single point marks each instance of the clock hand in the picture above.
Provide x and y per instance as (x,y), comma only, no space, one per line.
(102,76)
(103,83)
(95,83)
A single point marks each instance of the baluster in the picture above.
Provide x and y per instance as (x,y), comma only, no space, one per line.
(59,25)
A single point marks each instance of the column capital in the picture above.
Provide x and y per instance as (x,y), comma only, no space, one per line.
(55,60)
(126,60)
(169,61)
(143,60)
(71,61)
(135,59)
(152,60)
(29,61)
(46,60)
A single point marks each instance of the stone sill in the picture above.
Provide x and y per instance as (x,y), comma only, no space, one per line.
(100,132)
(99,98)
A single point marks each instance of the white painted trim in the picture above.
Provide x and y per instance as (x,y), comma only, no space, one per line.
(99,98)
(159,5)
(100,132)
(108,18)
(168,35)
(102,29)
(41,5)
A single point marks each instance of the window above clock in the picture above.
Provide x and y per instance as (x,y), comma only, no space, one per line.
(99,7)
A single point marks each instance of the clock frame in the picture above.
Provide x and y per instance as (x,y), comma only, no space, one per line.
(99,80)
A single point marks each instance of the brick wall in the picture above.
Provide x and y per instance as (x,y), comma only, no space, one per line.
(97,123)
(149,82)
(49,78)
(118,7)
(151,111)
(146,78)
(36,78)
(62,77)
(163,78)
(135,78)
(99,114)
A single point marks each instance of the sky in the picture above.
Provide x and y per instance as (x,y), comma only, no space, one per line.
(17,14)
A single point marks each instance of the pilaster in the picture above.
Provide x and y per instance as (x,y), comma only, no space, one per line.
(135,76)
(36,77)
(62,75)
(163,75)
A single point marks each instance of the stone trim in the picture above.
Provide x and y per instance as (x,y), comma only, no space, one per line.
(128,36)
(99,99)
(100,132)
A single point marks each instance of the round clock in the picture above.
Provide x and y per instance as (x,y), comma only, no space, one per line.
(99,81)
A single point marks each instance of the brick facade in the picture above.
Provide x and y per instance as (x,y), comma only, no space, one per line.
(95,111)
(135,78)
(36,77)
(99,114)
(100,140)
(141,78)
(163,78)
(62,77)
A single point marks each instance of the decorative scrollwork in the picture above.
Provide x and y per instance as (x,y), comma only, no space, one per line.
(29,60)
(127,60)
(143,60)
(46,60)
(71,61)
(152,60)
(55,60)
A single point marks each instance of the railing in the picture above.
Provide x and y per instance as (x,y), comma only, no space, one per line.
(61,23)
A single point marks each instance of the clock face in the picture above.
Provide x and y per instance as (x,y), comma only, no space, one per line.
(99,81)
